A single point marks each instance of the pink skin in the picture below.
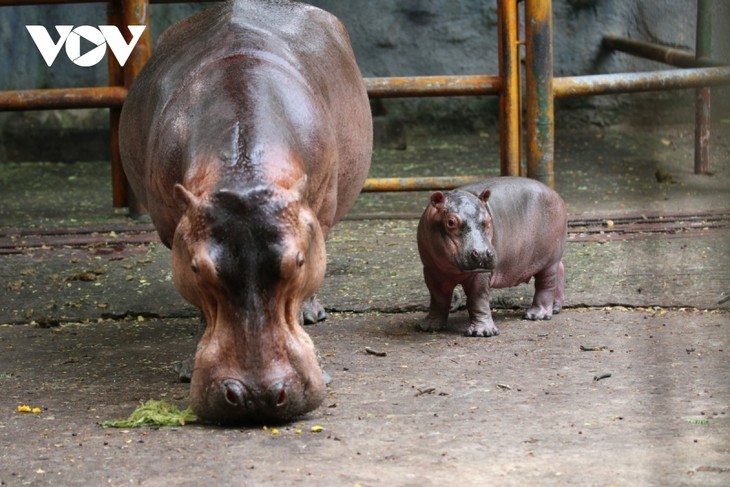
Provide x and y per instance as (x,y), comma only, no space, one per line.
(497,233)
(239,344)
(245,153)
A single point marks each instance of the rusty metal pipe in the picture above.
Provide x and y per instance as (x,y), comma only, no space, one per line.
(422,86)
(540,123)
(116,78)
(20,3)
(703,98)
(136,12)
(51,99)
(676,57)
(607,84)
(416,184)
(509,98)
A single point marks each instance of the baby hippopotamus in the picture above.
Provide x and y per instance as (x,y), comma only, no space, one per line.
(495,233)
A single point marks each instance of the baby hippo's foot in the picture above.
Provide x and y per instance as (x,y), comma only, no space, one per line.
(539,313)
(312,311)
(481,329)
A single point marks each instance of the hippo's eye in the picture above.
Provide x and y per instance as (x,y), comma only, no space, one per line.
(300,259)
(194,266)
(452,223)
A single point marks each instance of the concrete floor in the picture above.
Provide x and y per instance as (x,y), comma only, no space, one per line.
(91,324)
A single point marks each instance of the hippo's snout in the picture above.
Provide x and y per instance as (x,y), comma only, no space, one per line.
(237,395)
(234,400)
(483,259)
(479,260)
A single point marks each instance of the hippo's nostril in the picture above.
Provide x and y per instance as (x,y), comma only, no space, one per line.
(278,394)
(234,392)
(481,259)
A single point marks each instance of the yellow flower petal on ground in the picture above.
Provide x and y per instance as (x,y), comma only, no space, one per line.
(317,429)
(23,408)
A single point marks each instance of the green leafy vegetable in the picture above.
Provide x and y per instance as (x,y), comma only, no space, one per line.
(154,413)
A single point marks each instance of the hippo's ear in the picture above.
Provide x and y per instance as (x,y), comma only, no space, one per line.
(484,196)
(437,198)
(183,197)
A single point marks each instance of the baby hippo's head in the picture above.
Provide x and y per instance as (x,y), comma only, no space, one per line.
(455,231)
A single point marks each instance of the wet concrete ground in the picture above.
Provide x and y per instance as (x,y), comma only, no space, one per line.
(92,325)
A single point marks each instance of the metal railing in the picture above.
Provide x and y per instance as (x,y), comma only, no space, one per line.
(541,88)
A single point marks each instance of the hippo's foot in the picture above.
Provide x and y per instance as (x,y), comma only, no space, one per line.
(312,311)
(184,369)
(481,329)
(458,301)
(539,313)
(431,324)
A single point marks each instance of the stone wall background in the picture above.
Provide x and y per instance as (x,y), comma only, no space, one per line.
(390,38)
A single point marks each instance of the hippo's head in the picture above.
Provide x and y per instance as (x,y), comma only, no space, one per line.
(248,258)
(456,229)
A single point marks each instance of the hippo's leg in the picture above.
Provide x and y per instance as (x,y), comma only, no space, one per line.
(184,368)
(438,311)
(559,290)
(546,283)
(481,323)
(312,311)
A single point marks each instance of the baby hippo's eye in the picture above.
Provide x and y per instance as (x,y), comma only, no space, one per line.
(300,259)
(194,266)
(452,222)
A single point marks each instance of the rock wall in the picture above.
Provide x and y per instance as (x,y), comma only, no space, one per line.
(398,38)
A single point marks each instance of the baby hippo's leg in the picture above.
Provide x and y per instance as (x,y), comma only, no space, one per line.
(438,311)
(548,290)
(481,323)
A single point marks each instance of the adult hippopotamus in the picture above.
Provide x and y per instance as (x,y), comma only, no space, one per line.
(247,136)
(495,233)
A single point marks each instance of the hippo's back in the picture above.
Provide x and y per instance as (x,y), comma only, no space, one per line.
(164,115)
(514,199)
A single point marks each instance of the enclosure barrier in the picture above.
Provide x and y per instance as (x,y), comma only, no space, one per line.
(541,88)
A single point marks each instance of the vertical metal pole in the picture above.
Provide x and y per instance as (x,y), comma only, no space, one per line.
(136,12)
(703,112)
(509,98)
(116,78)
(520,81)
(539,91)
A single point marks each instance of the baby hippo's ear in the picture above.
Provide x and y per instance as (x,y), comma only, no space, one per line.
(484,196)
(437,198)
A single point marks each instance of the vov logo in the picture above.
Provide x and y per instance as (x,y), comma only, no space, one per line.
(71,36)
